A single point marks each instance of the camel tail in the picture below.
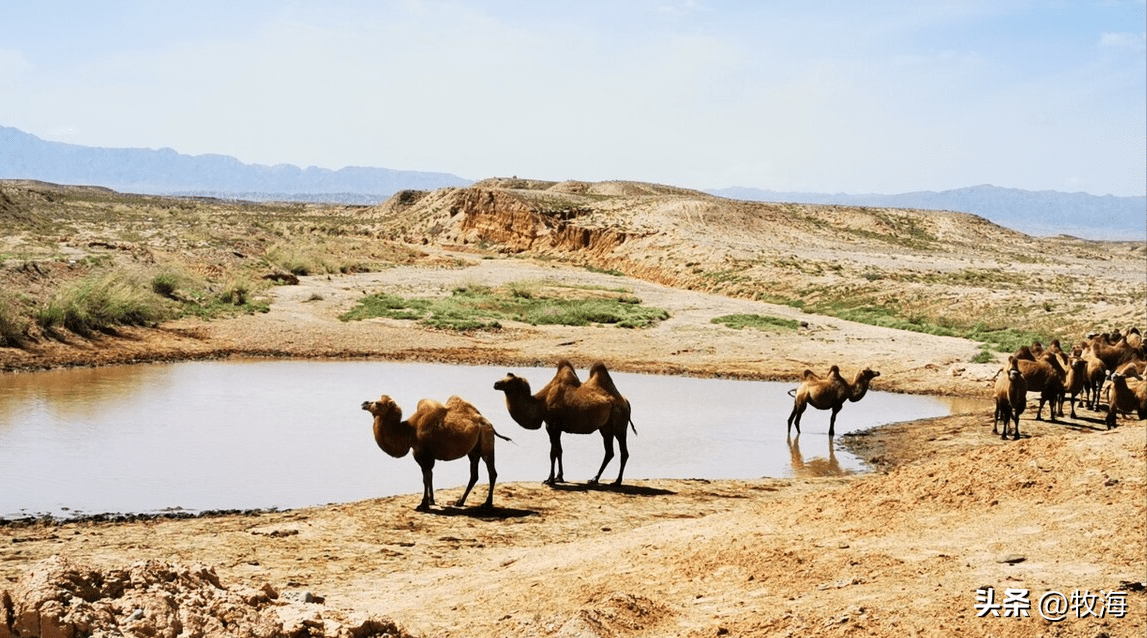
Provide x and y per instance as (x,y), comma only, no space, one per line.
(793,392)
(633,426)
(504,438)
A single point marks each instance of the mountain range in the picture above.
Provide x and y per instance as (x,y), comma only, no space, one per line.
(167,172)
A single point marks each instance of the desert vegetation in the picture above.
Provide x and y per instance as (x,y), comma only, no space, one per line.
(87,260)
(482,307)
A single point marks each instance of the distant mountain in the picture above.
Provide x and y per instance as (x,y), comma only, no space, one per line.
(166,172)
(1039,213)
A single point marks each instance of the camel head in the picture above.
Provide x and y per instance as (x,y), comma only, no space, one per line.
(1013,368)
(385,408)
(860,384)
(512,383)
(525,409)
(391,434)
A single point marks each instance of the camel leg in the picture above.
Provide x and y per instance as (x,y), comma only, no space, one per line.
(1016,433)
(795,417)
(489,458)
(832,421)
(607,439)
(427,466)
(474,455)
(623,448)
(1051,408)
(556,457)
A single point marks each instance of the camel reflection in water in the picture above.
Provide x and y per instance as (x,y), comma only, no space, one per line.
(817,466)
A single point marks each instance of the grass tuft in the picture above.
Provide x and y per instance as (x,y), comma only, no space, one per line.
(758,322)
(100,303)
(14,324)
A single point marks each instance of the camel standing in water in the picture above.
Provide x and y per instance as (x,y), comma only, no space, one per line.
(436,432)
(566,404)
(828,393)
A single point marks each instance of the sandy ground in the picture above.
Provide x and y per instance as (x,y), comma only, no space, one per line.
(949,511)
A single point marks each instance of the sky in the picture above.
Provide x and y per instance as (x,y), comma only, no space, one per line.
(835,96)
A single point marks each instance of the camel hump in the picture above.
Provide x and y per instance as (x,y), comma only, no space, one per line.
(566,374)
(809,375)
(564,379)
(428,410)
(430,404)
(599,375)
(462,407)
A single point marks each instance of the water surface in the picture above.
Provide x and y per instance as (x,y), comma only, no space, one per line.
(262,434)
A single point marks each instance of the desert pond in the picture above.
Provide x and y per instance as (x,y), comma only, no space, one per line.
(281,434)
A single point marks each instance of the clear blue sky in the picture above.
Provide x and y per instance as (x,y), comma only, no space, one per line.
(882,96)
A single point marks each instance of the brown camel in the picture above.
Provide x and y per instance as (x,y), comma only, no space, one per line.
(1011,397)
(1115,353)
(436,432)
(1128,395)
(1046,376)
(566,404)
(828,393)
(1074,383)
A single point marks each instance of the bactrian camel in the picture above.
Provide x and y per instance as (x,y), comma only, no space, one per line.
(828,393)
(1127,395)
(436,432)
(1011,398)
(1046,376)
(566,404)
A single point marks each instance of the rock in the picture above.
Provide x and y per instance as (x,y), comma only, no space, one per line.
(282,277)
(61,599)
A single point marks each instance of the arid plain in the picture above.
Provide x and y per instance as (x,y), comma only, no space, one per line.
(948,509)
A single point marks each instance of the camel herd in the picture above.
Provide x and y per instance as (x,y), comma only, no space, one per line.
(1101,367)
(437,432)
(1112,362)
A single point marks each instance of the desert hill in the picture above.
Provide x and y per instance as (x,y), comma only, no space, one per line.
(941,266)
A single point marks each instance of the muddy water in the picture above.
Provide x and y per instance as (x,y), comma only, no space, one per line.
(260,434)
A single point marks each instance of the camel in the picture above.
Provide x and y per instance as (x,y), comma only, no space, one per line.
(1075,383)
(1134,338)
(1095,376)
(437,432)
(1029,353)
(1046,376)
(1126,396)
(828,393)
(1011,398)
(1114,353)
(566,404)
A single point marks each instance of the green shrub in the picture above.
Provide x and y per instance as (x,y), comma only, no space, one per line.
(165,285)
(758,322)
(1005,339)
(14,323)
(100,303)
